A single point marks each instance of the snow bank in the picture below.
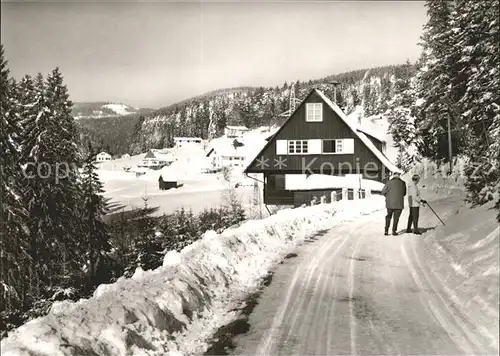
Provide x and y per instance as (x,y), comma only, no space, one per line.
(176,308)
(463,257)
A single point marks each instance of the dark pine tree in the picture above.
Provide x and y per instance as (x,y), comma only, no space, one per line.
(438,87)
(50,148)
(475,38)
(96,239)
(14,258)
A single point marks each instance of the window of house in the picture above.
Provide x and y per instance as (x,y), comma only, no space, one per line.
(297,146)
(345,146)
(314,112)
(329,146)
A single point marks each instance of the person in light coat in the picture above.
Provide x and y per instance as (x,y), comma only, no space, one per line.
(394,192)
(414,203)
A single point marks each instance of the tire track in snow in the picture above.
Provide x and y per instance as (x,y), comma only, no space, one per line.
(384,343)
(317,298)
(318,253)
(314,276)
(458,319)
(449,328)
(350,282)
(334,287)
(310,268)
(464,313)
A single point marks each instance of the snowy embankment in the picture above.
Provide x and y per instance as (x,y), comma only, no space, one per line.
(469,244)
(177,307)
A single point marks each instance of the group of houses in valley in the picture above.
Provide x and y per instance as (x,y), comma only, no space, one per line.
(317,142)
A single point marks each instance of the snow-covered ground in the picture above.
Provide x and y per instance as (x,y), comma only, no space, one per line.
(199,190)
(177,307)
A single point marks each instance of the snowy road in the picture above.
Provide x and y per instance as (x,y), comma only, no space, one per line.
(356,291)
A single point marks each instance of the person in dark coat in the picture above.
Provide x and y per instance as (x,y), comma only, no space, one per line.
(394,192)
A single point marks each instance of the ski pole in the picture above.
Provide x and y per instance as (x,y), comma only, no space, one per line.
(430,207)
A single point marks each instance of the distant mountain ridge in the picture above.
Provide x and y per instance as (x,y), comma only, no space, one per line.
(101,109)
(206,115)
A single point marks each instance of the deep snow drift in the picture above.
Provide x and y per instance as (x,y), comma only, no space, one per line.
(464,258)
(177,307)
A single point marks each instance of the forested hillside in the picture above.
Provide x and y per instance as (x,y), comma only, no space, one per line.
(206,116)
(110,134)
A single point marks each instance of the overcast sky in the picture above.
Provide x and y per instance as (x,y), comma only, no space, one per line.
(151,54)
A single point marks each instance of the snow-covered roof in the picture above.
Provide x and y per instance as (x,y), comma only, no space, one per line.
(104,154)
(371,132)
(223,146)
(382,158)
(225,151)
(187,138)
(159,155)
(185,168)
(240,128)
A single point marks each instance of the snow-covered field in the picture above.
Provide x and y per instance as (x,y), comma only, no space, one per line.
(177,307)
(199,190)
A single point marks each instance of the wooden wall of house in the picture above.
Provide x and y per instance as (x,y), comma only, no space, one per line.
(274,191)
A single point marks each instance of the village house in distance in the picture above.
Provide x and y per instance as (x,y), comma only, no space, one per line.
(317,138)
(156,159)
(103,157)
(235,131)
(180,142)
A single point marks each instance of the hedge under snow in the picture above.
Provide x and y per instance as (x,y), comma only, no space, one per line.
(176,308)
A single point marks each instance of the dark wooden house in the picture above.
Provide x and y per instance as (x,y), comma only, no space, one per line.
(317,138)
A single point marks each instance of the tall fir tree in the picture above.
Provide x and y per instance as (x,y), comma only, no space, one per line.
(13,217)
(96,238)
(385,93)
(51,156)
(475,34)
(369,97)
(400,115)
(438,85)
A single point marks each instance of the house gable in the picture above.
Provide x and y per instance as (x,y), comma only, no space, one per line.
(150,154)
(333,126)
